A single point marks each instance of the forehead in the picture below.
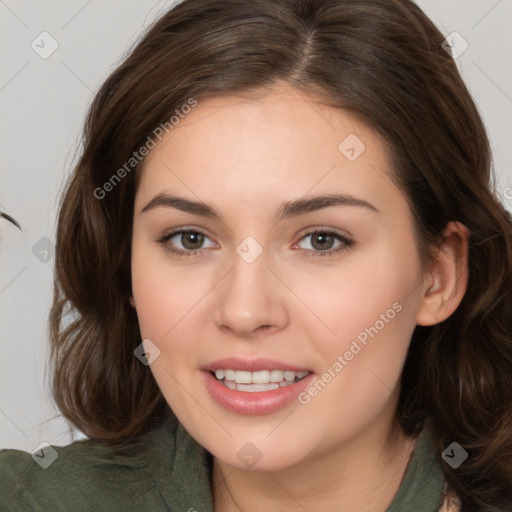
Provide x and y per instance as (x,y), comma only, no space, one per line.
(267,144)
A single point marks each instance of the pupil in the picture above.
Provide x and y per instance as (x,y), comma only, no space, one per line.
(197,242)
(325,238)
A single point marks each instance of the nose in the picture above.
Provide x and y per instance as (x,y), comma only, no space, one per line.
(251,299)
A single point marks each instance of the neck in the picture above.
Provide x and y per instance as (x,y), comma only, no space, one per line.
(364,474)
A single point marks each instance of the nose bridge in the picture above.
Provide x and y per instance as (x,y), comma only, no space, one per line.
(250,296)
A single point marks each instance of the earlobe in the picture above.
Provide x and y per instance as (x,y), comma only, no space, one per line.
(132,300)
(446,284)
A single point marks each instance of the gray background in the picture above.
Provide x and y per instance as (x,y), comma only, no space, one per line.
(43,102)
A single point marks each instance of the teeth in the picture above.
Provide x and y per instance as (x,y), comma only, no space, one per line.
(229,384)
(229,374)
(257,387)
(263,377)
(276,375)
(243,377)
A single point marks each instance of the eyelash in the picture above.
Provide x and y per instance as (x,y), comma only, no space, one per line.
(163,241)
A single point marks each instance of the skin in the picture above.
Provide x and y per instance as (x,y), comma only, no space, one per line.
(246,156)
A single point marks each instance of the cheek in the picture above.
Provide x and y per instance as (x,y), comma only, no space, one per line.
(362,363)
(168,307)
(370,307)
(165,293)
(369,293)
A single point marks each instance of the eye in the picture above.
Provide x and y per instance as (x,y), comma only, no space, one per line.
(324,240)
(190,239)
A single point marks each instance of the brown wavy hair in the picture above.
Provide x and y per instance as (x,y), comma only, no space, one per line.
(380,60)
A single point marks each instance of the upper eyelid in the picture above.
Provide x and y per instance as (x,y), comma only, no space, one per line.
(340,232)
(343,238)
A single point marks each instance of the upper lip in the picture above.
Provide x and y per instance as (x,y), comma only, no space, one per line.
(251,365)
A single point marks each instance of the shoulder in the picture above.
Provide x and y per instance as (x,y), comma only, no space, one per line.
(82,476)
(54,474)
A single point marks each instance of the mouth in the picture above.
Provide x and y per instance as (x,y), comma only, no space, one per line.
(255,386)
(258,381)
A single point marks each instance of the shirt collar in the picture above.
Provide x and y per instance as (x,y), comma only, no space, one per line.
(181,469)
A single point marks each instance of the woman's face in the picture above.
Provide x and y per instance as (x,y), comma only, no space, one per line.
(256,286)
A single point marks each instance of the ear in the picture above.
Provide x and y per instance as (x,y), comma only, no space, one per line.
(132,300)
(446,283)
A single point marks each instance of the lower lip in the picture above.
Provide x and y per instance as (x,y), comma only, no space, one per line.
(258,402)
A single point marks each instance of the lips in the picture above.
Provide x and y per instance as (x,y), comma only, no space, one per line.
(257,386)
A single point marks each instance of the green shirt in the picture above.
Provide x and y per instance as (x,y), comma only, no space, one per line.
(169,471)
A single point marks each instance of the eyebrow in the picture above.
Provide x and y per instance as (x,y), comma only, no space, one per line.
(286,210)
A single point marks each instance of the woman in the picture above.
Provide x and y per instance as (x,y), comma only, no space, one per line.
(213,359)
